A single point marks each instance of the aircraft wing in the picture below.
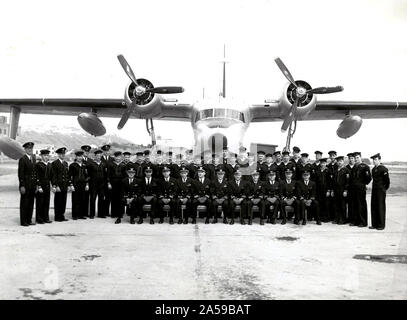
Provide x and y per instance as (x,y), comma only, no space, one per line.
(332,110)
(104,107)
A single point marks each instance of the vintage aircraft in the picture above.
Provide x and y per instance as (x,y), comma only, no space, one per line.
(216,123)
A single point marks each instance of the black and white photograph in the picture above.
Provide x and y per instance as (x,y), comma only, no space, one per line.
(203,151)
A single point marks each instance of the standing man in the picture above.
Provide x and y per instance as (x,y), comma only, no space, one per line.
(350,198)
(114,185)
(97,185)
(340,189)
(220,195)
(287,164)
(42,197)
(306,194)
(381,182)
(323,181)
(332,168)
(361,179)
(61,184)
(86,162)
(138,165)
(231,167)
(202,195)
(316,164)
(270,165)
(261,164)
(79,178)
(27,184)
(106,160)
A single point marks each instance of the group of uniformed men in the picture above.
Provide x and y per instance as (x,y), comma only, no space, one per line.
(275,186)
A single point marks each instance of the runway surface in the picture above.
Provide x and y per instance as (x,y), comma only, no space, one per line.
(96,259)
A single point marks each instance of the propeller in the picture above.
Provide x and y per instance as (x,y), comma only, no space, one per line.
(300,92)
(140,90)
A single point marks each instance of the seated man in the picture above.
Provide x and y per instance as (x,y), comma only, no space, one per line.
(202,194)
(255,191)
(288,196)
(185,194)
(272,197)
(149,194)
(306,194)
(238,194)
(220,195)
(168,195)
(131,194)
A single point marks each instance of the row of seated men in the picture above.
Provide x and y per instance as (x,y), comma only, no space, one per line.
(323,190)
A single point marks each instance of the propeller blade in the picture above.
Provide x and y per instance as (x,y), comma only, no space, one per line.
(322,90)
(285,71)
(290,117)
(126,67)
(165,90)
(125,116)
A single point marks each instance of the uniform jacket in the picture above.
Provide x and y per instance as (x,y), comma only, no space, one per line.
(185,189)
(220,189)
(169,188)
(306,191)
(323,181)
(43,174)
(97,174)
(78,175)
(272,190)
(381,178)
(26,172)
(131,190)
(361,175)
(60,174)
(238,191)
(114,173)
(255,190)
(341,179)
(288,190)
(202,189)
(152,189)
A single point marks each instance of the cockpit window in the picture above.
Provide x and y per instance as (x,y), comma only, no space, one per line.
(219,113)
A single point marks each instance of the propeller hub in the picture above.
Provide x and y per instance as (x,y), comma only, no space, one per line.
(301,91)
(139,90)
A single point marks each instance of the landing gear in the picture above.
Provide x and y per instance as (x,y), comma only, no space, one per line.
(290,134)
(150,130)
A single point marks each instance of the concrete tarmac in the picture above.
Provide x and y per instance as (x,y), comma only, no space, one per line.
(96,259)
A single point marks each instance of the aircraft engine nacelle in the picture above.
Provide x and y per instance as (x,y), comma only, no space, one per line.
(349,126)
(145,103)
(90,122)
(307,102)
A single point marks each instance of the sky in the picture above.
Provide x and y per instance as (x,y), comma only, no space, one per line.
(68,49)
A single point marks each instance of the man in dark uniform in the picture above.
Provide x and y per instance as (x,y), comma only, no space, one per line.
(261,164)
(185,189)
(202,194)
(114,179)
(270,165)
(61,184)
(255,192)
(286,164)
(381,182)
(251,167)
(150,188)
(27,184)
(225,155)
(218,165)
(158,165)
(306,195)
(278,162)
(340,189)
(304,165)
(193,167)
(323,181)
(106,160)
(42,197)
(288,196)
(243,162)
(97,184)
(176,166)
(80,186)
(209,167)
(238,195)
(220,195)
(86,162)
(231,167)
(147,161)
(316,164)
(138,165)
(296,159)
(126,163)
(168,195)
(361,179)
(350,202)
(272,197)
(131,190)
(332,167)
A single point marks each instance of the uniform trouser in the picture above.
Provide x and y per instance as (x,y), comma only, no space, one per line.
(107,200)
(296,207)
(378,207)
(313,209)
(323,201)
(225,208)
(243,208)
(116,200)
(26,206)
(60,205)
(352,206)
(87,202)
(260,204)
(340,206)
(79,205)
(267,211)
(196,203)
(360,205)
(96,192)
(349,205)
(152,202)
(183,214)
(331,207)
(42,205)
(173,203)
(133,208)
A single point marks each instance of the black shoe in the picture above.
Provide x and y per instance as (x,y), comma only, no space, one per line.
(372,228)
(261,222)
(225,221)
(215,220)
(273,221)
(73,218)
(40,222)
(140,221)
(171,221)
(151,221)
(268,221)
(381,228)
(232,221)
(362,225)
(185,221)
(284,221)
(25,225)
(296,222)
(118,220)
(206,221)
(334,222)
(31,224)
(304,222)
(132,221)
(92,217)
(193,221)
(102,217)
(161,221)
(48,221)
(242,222)
(180,221)
(319,222)
(250,222)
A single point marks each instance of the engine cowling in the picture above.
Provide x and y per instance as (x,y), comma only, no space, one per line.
(11,148)
(147,103)
(349,126)
(307,102)
(91,123)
